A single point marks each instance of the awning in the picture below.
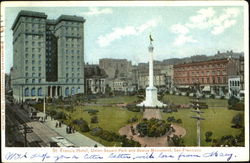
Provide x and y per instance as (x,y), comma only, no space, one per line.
(206,88)
(183,86)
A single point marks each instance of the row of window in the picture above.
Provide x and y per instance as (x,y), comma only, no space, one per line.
(201,67)
(33,56)
(33,68)
(234,83)
(34,37)
(33,81)
(202,80)
(33,92)
(73,45)
(73,57)
(201,73)
(72,91)
(33,49)
(72,80)
(33,74)
(33,43)
(73,63)
(73,52)
(73,69)
(33,61)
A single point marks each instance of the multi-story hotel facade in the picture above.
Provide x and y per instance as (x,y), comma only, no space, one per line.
(211,76)
(48,56)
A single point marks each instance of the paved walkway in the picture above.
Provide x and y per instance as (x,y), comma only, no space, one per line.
(76,138)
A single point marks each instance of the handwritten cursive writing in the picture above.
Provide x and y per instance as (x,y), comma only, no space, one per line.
(116,155)
(218,154)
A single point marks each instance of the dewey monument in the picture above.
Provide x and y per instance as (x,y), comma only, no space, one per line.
(151,91)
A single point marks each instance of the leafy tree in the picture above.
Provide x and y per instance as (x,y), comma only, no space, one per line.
(233,100)
(94,119)
(84,127)
(238,120)
(177,141)
(208,134)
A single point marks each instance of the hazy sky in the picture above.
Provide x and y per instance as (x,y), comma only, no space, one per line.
(122,32)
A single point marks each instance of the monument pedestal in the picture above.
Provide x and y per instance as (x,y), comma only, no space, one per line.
(151,98)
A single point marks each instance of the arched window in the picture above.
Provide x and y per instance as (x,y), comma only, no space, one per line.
(78,90)
(73,91)
(67,92)
(39,92)
(26,92)
(33,92)
(238,83)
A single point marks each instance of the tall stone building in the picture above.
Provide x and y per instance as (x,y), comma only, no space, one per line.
(116,68)
(48,56)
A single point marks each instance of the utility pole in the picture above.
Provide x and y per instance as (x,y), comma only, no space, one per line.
(198,114)
(44,105)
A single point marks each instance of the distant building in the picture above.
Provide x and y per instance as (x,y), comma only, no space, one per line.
(234,86)
(212,75)
(95,79)
(116,68)
(48,57)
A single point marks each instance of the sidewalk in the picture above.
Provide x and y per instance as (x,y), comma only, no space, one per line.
(76,138)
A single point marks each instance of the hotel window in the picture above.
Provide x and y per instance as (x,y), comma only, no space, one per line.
(39,74)
(39,81)
(33,74)
(26,61)
(27,80)
(26,49)
(73,80)
(33,62)
(73,74)
(33,56)
(67,75)
(33,80)
(33,68)
(26,68)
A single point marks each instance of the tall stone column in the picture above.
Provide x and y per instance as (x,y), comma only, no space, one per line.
(151,67)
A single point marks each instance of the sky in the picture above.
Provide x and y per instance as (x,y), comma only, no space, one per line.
(123,32)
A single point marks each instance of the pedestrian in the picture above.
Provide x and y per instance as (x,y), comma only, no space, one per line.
(73,128)
(70,129)
(56,124)
(67,129)
(60,124)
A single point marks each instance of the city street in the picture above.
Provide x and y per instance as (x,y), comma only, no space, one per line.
(40,134)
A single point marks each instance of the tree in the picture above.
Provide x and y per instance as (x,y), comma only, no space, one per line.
(233,101)
(177,140)
(94,119)
(208,134)
(238,120)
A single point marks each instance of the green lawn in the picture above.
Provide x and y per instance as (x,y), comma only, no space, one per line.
(186,100)
(110,118)
(218,120)
(117,100)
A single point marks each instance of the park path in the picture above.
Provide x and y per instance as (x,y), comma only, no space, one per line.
(151,141)
(152,113)
(76,138)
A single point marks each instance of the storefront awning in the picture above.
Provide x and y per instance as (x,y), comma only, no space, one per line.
(206,88)
(183,86)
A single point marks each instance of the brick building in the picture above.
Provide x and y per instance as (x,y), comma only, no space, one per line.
(211,76)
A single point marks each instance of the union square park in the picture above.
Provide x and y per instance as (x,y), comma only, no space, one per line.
(143,118)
